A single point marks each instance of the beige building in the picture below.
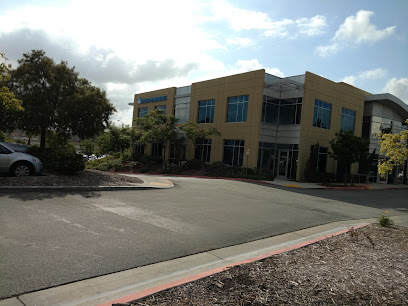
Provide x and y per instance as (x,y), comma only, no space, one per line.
(270,122)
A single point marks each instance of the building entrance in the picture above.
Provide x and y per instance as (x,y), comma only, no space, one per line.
(283,162)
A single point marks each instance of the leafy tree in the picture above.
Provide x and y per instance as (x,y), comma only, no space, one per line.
(87,146)
(312,164)
(54,98)
(159,128)
(117,139)
(10,107)
(347,149)
(394,147)
(196,134)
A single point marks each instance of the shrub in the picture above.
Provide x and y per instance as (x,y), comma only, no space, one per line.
(194,164)
(385,221)
(60,159)
(216,169)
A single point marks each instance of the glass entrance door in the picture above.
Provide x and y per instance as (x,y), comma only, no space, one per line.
(283,164)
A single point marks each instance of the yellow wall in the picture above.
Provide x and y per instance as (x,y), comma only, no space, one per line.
(169,92)
(250,83)
(338,95)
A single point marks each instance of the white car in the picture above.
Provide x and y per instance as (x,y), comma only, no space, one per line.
(18,163)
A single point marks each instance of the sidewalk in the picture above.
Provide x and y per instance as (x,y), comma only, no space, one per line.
(285,183)
(123,287)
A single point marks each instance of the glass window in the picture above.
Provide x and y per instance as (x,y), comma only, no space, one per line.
(285,111)
(321,158)
(234,152)
(182,109)
(237,109)
(142,111)
(139,149)
(203,150)
(157,149)
(161,107)
(206,111)
(347,119)
(321,114)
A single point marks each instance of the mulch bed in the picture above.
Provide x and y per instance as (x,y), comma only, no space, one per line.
(83,178)
(368,266)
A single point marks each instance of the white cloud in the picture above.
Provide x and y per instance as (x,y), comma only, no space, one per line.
(240,41)
(351,79)
(372,74)
(313,26)
(358,29)
(325,51)
(398,88)
(355,30)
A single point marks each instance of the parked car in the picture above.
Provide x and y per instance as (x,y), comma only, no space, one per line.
(18,163)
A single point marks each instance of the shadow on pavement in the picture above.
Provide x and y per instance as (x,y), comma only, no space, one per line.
(43,195)
(396,199)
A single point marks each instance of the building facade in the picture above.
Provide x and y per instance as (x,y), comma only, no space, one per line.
(273,123)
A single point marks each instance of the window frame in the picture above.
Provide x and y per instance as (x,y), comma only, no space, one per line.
(209,109)
(345,116)
(238,145)
(320,110)
(235,102)
(140,109)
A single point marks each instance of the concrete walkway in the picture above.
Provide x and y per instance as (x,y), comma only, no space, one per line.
(135,283)
(286,183)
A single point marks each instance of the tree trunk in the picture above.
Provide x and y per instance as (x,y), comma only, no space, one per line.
(42,139)
(164,156)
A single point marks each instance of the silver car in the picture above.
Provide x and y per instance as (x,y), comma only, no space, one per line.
(18,163)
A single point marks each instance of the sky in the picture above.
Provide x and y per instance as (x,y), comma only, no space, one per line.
(131,46)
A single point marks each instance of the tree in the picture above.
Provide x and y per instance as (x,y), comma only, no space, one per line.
(159,128)
(54,98)
(347,149)
(394,147)
(117,139)
(10,107)
(196,134)
(87,146)
(312,164)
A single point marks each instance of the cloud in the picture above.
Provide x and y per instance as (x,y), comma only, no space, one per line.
(253,64)
(372,74)
(356,30)
(240,41)
(313,26)
(398,88)
(245,20)
(325,51)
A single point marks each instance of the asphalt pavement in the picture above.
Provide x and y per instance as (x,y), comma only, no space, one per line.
(53,238)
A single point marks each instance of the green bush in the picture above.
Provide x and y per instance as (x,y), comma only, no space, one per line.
(216,169)
(385,221)
(60,159)
(194,164)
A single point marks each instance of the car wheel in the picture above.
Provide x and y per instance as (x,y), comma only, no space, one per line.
(21,169)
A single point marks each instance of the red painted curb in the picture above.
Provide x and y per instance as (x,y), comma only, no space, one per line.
(150,291)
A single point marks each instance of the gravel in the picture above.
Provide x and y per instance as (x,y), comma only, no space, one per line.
(84,178)
(368,266)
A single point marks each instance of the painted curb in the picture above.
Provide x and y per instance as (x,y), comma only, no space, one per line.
(144,293)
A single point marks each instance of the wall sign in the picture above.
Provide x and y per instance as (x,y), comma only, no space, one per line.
(155,99)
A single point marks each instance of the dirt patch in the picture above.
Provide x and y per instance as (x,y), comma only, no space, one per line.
(84,178)
(368,266)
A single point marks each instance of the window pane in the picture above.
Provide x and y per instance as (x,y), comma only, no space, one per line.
(237,109)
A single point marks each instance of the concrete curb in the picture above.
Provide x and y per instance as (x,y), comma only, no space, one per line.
(144,293)
(364,187)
